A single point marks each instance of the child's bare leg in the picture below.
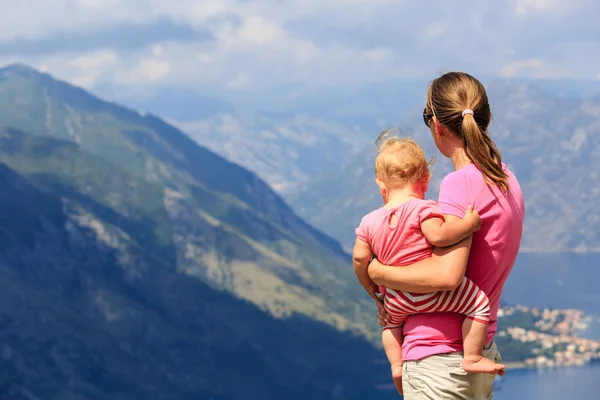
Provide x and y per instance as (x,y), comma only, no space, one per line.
(392,344)
(473,341)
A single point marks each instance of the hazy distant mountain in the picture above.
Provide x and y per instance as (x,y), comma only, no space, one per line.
(322,164)
(286,150)
(121,241)
(299,138)
(550,143)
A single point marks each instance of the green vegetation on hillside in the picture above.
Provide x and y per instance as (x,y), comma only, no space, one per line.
(80,323)
(218,221)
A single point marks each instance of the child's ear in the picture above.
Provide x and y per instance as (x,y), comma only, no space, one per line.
(382,189)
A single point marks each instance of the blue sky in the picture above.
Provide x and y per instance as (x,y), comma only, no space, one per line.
(257,46)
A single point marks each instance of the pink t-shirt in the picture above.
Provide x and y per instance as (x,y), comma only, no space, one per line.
(400,242)
(493,254)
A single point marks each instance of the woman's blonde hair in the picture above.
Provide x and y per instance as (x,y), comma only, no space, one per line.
(447,98)
(400,161)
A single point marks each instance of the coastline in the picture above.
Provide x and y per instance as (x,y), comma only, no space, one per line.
(513,365)
(521,365)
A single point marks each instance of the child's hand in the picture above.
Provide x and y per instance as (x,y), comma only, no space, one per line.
(472,217)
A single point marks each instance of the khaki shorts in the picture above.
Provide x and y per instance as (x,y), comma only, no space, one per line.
(442,377)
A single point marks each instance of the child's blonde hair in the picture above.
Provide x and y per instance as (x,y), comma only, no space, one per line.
(400,161)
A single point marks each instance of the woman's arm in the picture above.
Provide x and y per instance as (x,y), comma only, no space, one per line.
(444,270)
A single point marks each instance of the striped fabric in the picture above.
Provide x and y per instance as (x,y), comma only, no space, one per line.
(466,299)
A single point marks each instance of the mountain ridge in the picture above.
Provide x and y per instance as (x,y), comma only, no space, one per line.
(210,201)
(80,323)
(545,136)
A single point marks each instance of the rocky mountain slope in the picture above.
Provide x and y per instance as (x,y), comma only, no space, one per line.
(138,262)
(221,223)
(88,312)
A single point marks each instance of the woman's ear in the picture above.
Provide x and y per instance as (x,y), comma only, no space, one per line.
(439,129)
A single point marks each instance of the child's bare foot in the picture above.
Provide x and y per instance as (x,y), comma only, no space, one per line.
(480,364)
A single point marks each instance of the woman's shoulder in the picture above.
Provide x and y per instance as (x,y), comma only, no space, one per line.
(468,175)
(460,177)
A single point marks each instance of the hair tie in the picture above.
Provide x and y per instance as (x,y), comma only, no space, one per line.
(467,111)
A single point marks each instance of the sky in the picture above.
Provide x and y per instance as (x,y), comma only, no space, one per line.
(257,46)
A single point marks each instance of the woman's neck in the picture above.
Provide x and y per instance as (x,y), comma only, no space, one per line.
(459,158)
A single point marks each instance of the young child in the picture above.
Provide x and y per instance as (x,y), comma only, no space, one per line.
(404,231)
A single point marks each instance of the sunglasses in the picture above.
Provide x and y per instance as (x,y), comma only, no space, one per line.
(427,116)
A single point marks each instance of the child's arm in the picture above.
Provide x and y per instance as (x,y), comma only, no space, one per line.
(442,233)
(361,255)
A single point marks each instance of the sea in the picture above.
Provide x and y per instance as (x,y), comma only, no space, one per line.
(557,281)
(578,383)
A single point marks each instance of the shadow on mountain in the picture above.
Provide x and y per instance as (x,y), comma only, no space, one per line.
(79,323)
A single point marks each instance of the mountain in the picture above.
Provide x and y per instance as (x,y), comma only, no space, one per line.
(288,142)
(293,136)
(287,150)
(89,313)
(221,223)
(136,263)
(321,160)
(549,142)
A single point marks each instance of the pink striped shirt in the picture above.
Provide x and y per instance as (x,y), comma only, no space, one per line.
(403,243)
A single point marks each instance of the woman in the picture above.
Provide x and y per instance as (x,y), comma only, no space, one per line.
(458,114)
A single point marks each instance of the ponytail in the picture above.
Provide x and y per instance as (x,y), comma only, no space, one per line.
(460,103)
(482,151)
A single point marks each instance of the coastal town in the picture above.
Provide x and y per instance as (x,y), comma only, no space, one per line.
(541,338)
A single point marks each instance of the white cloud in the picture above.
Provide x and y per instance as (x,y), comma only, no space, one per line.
(259,31)
(512,69)
(435,29)
(241,81)
(82,70)
(157,50)
(524,7)
(95,61)
(541,69)
(37,18)
(261,44)
(378,55)
(154,70)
